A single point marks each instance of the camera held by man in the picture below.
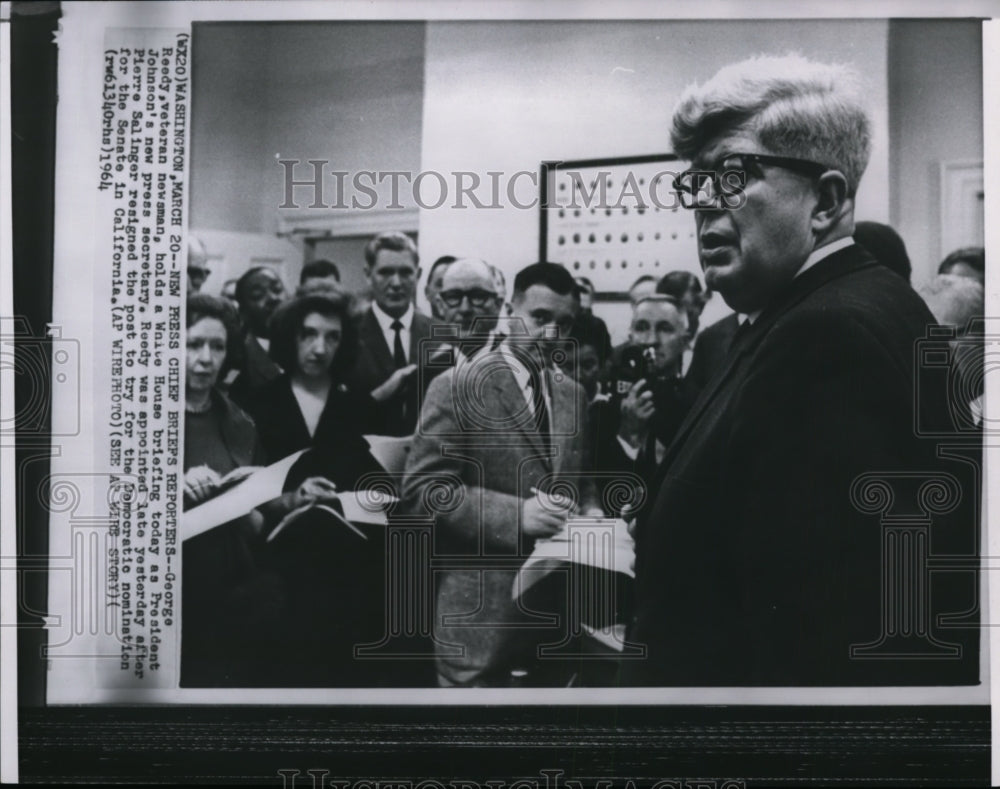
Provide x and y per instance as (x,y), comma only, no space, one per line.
(647,386)
(648,398)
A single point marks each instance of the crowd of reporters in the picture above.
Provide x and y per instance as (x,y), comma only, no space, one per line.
(271,373)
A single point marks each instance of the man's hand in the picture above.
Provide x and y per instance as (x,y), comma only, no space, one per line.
(393,384)
(539,521)
(200,484)
(636,410)
(314,489)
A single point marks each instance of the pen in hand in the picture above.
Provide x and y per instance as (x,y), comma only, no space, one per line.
(557,501)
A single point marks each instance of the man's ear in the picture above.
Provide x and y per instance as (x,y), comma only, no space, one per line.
(833,201)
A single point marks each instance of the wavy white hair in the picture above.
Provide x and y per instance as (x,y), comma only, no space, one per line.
(795,106)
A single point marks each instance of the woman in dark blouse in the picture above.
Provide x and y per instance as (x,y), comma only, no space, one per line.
(334,577)
(310,406)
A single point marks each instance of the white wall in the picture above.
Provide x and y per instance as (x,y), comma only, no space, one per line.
(505,96)
(936,82)
(349,93)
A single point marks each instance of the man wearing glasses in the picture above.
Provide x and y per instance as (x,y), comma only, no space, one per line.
(470,302)
(754,565)
(467,300)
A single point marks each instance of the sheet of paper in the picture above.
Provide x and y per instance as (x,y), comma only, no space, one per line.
(256,489)
(292,516)
(390,451)
(366,506)
(596,542)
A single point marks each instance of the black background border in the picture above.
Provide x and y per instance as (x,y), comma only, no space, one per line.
(759,745)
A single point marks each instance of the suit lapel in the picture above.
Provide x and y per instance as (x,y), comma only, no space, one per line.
(374,340)
(707,396)
(296,423)
(419,330)
(838,264)
(511,399)
(564,418)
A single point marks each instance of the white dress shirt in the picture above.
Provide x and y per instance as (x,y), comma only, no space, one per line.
(523,379)
(385,321)
(815,257)
(311,405)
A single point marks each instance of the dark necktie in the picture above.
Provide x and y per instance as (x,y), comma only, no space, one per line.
(740,335)
(398,354)
(538,401)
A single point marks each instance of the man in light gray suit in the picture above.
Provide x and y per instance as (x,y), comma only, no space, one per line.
(498,433)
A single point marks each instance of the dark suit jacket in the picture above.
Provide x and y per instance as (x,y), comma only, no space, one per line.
(398,415)
(256,369)
(710,350)
(478,440)
(754,564)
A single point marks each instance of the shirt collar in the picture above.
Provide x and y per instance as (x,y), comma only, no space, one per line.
(385,320)
(818,254)
(515,363)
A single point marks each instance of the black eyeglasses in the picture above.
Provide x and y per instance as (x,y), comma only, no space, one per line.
(476,297)
(722,186)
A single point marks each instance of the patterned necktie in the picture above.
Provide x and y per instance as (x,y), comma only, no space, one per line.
(539,403)
(398,354)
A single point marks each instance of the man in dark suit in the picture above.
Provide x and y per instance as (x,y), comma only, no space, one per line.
(762,559)
(389,334)
(259,292)
(500,429)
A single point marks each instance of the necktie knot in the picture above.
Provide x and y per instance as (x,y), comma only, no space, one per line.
(741,332)
(397,325)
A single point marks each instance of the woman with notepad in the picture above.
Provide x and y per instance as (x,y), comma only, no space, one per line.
(332,569)
(233,598)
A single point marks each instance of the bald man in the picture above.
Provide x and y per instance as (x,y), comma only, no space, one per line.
(470,304)
(470,301)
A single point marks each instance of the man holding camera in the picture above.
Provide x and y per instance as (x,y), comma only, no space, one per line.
(653,405)
(648,402)
(499,434)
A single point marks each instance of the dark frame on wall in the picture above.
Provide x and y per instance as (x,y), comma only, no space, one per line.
(612,167)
